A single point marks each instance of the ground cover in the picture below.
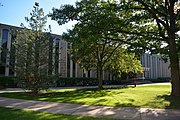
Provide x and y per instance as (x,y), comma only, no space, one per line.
(17,114)
(152,96)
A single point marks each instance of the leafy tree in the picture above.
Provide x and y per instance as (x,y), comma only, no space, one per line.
(148,25)
(89,45)
(90,51)
(124,62)
(160,20)
(33,51)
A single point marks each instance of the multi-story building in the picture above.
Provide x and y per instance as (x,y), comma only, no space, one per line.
(154,66)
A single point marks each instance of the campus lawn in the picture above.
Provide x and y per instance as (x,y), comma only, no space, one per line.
(17,114)
(152,96)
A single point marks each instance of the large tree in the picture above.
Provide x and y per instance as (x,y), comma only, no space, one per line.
(149,25)
(90,45)
(160,19)
(33,52)
(93,52)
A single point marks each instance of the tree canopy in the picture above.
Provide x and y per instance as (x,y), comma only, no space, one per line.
(143,25)
(93,43)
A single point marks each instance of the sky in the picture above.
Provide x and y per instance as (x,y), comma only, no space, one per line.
(13,12)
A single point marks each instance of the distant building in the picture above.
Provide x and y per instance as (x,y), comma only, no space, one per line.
(154,66)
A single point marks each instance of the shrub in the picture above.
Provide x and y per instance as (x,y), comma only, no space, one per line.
(6,81)
(37,84)
(161,79)
(81,81)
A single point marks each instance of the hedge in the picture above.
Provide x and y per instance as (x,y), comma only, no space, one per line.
(6,81)
(161,79)
(83,81)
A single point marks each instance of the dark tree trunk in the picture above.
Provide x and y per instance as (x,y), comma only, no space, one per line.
(174,65)
(174,59)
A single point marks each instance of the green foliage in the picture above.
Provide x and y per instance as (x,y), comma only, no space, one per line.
(33,52)
(125,62)
(8,81)
(76,81)
(161,79)
(91,43)
(142,25)
(36,85)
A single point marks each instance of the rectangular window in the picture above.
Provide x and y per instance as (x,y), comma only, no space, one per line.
(4,51)
(12,56)
(57,56)
(68,61)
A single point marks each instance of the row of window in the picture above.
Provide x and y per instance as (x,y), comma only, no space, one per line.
(5,50)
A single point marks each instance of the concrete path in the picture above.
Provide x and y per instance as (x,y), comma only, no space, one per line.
(95,111)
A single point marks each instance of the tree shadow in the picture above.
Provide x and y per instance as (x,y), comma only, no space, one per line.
(174,101)
(164,101)
(70,96)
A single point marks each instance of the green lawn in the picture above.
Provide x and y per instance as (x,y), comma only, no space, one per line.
(17,114)
(152,96)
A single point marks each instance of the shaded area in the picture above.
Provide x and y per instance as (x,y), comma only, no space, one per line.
(17,114)
(72,109)
(141,96)
(85,110)
(174,102)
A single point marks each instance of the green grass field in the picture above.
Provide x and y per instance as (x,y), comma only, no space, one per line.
(152,96)
(17,114)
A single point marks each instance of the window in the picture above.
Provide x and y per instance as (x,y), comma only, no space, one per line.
(4,51)
(57,55)
(68,61)
(12,56)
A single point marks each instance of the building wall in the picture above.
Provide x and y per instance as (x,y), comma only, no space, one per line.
(62,58)
(154,66)
(6,39)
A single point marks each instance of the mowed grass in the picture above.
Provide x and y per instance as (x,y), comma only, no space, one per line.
(152,96)
(17,114)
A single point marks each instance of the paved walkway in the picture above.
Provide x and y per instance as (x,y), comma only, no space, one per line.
(95,111)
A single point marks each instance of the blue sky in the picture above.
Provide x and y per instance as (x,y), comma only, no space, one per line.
(13,12)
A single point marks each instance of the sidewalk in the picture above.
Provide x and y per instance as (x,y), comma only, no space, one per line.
(95,111)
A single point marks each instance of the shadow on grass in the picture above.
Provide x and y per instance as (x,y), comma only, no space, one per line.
(65,96)
(127,105)
(164,101)
(17,114)
(174,101)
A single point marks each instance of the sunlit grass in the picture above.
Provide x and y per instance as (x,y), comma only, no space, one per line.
(152,96)
(16,114)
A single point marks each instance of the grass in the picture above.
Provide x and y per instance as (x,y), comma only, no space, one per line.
(17,114)
(152,96)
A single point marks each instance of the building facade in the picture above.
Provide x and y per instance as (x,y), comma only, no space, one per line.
(154,66)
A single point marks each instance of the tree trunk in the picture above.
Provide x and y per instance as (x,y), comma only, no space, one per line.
(173,54)
(174,65)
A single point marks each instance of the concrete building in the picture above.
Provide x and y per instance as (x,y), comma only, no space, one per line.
(154,66)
